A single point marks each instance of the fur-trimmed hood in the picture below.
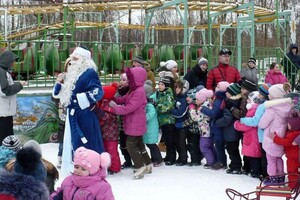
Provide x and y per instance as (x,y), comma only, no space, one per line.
(22,187)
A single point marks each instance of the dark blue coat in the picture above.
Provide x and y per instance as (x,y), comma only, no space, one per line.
(85,122)
(227,124)
(215,113)
(180,109)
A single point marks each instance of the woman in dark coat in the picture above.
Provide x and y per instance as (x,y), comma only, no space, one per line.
(198,75)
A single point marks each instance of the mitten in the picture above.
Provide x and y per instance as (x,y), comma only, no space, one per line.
(107,108)
(191,106)
(112,103)
(57,88)
(297,140)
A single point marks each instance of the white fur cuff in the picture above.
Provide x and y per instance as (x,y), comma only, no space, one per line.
(275,102)
(83,101)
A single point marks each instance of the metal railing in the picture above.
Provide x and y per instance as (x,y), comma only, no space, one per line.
(41,60)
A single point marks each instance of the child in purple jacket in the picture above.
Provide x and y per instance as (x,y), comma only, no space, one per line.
(88,179)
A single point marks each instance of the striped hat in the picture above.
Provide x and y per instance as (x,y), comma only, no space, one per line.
(264,90)
(166,81)
(249,85)
(12,142)
(234,89)
(139,59)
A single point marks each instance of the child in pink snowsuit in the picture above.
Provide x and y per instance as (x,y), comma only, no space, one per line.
(88,179)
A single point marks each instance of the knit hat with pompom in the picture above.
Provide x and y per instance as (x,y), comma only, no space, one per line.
(204,94)
(253,98)
(169,64)
(279,90)
(12,142)
(148,88)
(222,86)
(91,160)
(110,90)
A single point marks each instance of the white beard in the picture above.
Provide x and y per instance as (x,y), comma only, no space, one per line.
(74,71)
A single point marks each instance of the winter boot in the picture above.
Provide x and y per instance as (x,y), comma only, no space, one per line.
(281,179)
(59,162)
(149,169)
(127,163)
(162,147)
(139,173)
(271,180)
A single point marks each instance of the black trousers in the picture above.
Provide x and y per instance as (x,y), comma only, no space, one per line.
(193,147)
(264,162)
(180,142)
(123,148)
(6,127)
(155,153)
(234,155)
(168,134)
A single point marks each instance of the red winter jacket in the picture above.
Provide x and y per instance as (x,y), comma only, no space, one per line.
(222,73)
(291,151)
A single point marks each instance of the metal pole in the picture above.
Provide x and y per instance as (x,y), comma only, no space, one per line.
(209,31)
(277,24)
(5,23)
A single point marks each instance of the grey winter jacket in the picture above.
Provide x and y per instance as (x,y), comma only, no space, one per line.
(249,74)
(9,89)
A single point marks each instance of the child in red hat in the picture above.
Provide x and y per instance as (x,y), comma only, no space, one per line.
(110,127)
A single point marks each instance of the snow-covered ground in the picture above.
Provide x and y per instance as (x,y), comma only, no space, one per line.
(171,182)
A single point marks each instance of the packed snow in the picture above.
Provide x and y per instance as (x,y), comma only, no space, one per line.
(170,182)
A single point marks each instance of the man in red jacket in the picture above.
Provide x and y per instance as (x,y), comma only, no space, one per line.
(223,71)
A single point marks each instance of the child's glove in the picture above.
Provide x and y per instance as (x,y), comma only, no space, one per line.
(191,106)
(112,104)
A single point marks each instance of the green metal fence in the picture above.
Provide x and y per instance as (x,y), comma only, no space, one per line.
(41,60)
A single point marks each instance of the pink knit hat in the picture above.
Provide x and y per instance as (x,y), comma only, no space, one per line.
(91,160)
(277,91)
(222,86)
(204,94)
